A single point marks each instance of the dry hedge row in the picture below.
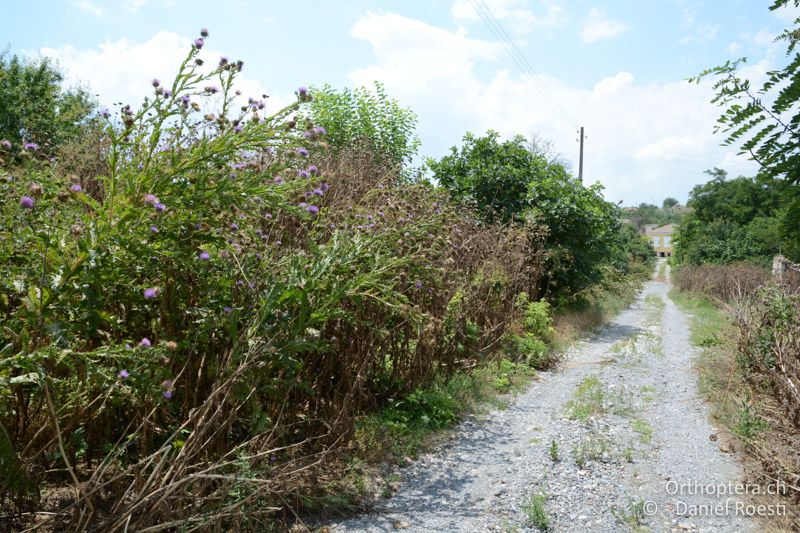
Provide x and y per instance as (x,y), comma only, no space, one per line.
(727,283)
(399,285)
(767,319)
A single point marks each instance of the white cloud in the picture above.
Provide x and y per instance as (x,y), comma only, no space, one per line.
(763,38)
(89,6)
(701,34)
(644,141)
(520,16)
(423,58)
(613,84)
(136,5)
(598,26)
(734,48)
(121,71)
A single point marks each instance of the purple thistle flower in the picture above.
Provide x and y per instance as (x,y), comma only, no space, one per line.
(317,192)
(277,179)
(313,170)
(167,93)
(155,82)
(302,204)
(303,174)
(211,89)
(313,210)
(167,384)
(26,202)
(204,32)
(185,99)
(234,226)
(160,207)
(31,146)
(151,199)
(145,343)
(307,134)
(76,188)
(167,394)
(123,374)
(150,293)
(5,143)
(319,130)
(302,94)
(418,284)
(223,61)
(227,309)
(203,256)
(268,215)
(153,229)
(324,186)
(302,152)
(238,128)
(199,42)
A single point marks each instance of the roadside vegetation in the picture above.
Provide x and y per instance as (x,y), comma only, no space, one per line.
(208,305)
(746,322)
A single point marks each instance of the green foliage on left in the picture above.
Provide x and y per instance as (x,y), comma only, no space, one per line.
(36,108)
(209,310)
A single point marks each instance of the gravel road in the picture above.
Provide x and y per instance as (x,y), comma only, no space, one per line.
(617,439)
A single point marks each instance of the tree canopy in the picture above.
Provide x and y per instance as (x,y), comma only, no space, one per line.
(733,220)
(514,181)
(35,107)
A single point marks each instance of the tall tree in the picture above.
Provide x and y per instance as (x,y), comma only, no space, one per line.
(35,107)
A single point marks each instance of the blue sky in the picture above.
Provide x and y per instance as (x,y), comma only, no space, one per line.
(617,68)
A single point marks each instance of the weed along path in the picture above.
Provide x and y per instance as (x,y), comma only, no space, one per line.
(616,440)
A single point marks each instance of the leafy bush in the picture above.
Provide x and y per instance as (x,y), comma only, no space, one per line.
(532,343)
(369,119)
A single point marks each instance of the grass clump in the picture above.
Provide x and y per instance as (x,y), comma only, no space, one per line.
(632,516)
(536,511)
(588,400)
(644,429)
(553,450)
(407,426)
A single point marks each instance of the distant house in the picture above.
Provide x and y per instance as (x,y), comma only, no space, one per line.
(660,237)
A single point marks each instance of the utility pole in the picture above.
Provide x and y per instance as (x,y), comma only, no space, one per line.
(580,163)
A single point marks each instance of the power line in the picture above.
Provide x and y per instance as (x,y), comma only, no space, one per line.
(494,25)
(496,28)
